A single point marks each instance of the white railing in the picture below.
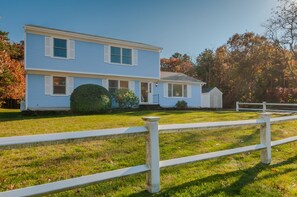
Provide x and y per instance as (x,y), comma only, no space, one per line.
(153,163)
(264,107)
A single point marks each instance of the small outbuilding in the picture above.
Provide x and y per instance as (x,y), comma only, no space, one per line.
(211,97)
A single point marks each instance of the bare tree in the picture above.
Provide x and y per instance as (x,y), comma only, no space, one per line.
(282,26)
(282,29)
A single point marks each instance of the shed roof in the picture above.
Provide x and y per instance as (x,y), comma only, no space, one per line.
(173,76)
(208,89)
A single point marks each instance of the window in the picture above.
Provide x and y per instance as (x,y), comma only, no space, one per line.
(60,48)
(124,85)
(126,56)
(113,85)
(59,85)
(120,55)
(177,90)
(115,54)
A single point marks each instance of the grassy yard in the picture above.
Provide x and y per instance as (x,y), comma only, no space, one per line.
(238,175)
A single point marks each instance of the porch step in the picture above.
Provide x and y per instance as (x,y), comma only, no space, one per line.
(149,106)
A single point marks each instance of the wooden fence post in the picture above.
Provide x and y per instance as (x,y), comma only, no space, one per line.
(264,107)
(237,106)
(265,138)
(152,154)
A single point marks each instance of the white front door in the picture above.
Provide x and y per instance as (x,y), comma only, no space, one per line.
(146,89)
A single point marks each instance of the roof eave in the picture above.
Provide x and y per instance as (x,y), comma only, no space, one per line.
(87,37)
(177,81)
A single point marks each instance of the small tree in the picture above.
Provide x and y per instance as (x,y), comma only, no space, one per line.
(126,98)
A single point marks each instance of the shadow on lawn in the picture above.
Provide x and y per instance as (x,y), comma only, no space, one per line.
(247,176)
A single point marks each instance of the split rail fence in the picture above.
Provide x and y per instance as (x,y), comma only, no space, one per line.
(153,163)
(264,107)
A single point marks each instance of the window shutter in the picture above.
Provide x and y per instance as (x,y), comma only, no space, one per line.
(69,85)
(165,89)
(132,86)
(134,57)
(48,46)
(189,90)
(105,83)
(48,85)
(106,53)
(70,49)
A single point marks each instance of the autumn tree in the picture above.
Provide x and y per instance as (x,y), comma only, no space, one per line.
(12,75)
(248,67)
(178,63)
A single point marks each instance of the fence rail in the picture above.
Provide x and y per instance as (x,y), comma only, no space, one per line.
(265,108)
(153,163)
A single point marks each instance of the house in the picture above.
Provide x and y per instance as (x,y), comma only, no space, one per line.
(58,61)
(211,97)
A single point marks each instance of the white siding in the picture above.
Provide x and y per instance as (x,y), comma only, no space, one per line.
(205,100)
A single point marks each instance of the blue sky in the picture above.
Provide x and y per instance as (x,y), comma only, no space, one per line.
(185,26)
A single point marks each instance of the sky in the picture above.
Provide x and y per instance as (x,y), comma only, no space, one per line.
(184,26)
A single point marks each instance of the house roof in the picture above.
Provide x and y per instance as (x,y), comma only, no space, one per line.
(208,89)
(178,77)
(88,37)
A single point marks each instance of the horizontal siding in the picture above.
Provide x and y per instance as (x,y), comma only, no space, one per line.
(89,58)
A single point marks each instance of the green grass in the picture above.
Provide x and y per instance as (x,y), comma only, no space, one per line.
(238,175)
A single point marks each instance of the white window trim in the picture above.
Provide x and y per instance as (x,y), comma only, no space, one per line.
(119,84)
(67,92)
(121,56)
(66,85)
(183,93)
(67,48)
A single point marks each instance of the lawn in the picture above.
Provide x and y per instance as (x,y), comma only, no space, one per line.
(238,175)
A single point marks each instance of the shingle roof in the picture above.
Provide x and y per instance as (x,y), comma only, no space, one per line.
(172,76)
(205,90)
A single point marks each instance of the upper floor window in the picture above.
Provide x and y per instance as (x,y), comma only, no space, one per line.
(59,85)
(177,90)
(120,55)
(60,47)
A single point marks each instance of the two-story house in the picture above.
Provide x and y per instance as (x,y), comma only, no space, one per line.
(58,61)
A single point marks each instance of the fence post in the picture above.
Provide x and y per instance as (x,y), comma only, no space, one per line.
(237,106)
(152,154)
(265,138)
(264,106)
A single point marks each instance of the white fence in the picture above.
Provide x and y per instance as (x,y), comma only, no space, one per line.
(153,163)
(264,107)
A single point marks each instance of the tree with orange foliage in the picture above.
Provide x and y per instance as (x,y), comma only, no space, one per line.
(178,63)
(12,74)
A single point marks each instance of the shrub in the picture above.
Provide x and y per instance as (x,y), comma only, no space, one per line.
(181,104)
(90,98)
(126,99)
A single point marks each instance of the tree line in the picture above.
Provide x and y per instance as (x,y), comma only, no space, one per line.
(250,67)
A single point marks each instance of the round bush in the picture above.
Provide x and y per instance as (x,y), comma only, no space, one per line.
(90,98)
(181,104)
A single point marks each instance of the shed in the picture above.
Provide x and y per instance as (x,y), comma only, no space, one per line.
(211,97)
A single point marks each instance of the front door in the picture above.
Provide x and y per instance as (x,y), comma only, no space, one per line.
(146,92)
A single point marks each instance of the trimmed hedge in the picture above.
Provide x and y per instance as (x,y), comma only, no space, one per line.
(90,98)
